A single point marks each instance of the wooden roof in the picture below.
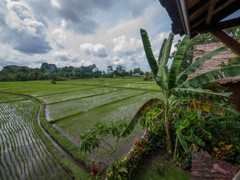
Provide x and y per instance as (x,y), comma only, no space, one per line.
(192,17)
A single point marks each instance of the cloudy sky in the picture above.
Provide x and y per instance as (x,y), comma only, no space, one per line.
(80,32)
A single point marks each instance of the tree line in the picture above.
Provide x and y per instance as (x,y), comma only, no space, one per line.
(51,71)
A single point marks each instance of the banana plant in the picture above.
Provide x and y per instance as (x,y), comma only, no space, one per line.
(181,125)
(175,85)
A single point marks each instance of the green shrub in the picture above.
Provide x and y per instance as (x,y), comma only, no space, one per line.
(160,168)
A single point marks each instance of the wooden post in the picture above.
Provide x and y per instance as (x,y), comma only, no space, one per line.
(227,40)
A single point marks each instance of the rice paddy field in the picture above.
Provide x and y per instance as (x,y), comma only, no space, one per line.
(70,107)
(23,153)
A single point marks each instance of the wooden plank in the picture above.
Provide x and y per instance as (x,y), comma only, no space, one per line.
(210,11)
(201,10)
(227,40)
(223,6)
(232,7)
(192,3)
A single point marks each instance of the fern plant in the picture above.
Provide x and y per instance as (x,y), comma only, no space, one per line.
(175,85)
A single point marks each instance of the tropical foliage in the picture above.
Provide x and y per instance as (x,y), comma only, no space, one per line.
(95,137)
(175,85)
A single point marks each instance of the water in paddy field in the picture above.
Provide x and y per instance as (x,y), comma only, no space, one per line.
(23,154)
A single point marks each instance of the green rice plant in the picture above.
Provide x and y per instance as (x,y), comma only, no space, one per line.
(79,95)
(67,109)
(16,171)
(9,169)
(29,172)
(1,174)
(33,167)
(74,125)
(25,169)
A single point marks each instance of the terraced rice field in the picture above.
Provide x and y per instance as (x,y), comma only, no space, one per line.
(72,107)
(23,154)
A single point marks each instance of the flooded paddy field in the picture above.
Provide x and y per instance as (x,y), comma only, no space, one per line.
(69,108)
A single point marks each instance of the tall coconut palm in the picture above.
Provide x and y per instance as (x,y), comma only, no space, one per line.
(175,85)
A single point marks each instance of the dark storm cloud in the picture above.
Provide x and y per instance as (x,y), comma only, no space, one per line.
(60,46)
(32,45)
(62,58)
(75,60)
(65,58)
(138,7)
(27,38)
(24,42)
(98,50)
(78,14)
(5,61)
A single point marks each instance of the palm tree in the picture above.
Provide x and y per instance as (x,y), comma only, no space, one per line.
(175,85)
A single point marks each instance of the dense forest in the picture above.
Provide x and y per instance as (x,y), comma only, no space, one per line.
(51,71)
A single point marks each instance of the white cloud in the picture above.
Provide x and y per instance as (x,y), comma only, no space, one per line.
(59,35)
(126,46)
(98,50)
(20,18)
(117,60)
(55,4)
(159,38)
(66,55)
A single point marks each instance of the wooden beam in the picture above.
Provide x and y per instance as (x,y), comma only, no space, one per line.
(223,6)
(231,6)
(201,10)
(222,25)
(229,23)
(210,11)
(227,40)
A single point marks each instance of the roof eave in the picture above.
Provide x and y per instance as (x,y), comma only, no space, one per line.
(184,16)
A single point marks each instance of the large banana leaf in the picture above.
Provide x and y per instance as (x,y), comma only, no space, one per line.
(182,141)
(217,74)
(194,139)
(162,74)
(139,115)
(148,51)
(186,122)
(192,68)
(215,108)
(198,93)
(231,71)
(161,51)
(177,62)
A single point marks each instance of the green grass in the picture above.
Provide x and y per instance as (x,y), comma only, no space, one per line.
(170,172)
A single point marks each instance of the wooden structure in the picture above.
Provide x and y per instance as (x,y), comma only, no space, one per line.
(232,83)
(192,17)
